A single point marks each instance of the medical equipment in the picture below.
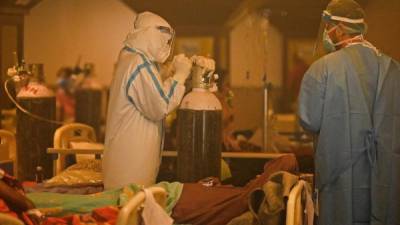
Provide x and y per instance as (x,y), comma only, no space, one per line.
(35,119)
(199,127)
(88,99)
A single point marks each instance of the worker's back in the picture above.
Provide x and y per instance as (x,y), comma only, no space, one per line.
(349,98)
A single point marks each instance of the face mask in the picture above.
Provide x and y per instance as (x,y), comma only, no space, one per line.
(163,53)
(160,47)
(329,46)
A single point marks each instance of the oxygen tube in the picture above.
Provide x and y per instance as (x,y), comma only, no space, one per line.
(25,110)
(18,73)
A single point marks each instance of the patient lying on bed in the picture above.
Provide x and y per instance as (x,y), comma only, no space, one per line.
(199,204)
(190,203)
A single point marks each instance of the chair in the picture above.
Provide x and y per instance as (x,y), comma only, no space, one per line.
(73,132)
(130,213)
(9,119)
(8,148)
(295,207)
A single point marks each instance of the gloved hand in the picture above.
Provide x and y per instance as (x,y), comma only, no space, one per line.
(182,66)
(207,63)
(204,71)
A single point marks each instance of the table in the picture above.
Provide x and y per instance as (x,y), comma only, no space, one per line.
(236,156)
(62,151)
(241,155)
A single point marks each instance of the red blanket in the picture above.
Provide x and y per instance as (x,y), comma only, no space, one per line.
(12,199)
(100,216)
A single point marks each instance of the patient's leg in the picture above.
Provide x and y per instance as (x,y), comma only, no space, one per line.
(218,205)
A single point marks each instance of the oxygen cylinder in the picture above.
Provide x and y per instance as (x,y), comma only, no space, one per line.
(88,100)
(35,136)
(199,134)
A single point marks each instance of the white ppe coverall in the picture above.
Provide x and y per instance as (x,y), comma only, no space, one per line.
(139,101)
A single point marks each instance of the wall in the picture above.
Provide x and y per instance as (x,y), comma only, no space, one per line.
(384,33)
(248,108)
(384,29)
(57,32)
(9,36)
(255,48)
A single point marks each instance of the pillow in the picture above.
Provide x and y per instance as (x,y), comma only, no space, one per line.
(87,172)
(87,164)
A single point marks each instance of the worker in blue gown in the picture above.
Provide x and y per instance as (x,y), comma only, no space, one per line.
(351,99)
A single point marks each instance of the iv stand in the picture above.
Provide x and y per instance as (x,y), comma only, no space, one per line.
(266,89)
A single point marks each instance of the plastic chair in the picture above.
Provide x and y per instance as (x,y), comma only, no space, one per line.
(295,208)
(73,132)
(130,213)
(9,119)
(8,144)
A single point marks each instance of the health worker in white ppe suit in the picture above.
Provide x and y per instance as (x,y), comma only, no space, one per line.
(139,102)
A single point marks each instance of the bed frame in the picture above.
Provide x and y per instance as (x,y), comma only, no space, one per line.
(130,213)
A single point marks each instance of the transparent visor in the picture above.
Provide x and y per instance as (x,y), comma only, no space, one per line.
(171,41)
(328,22)
(318,43)
(329,17)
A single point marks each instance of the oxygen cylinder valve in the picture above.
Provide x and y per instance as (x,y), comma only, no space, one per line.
(19,73)
(203,72)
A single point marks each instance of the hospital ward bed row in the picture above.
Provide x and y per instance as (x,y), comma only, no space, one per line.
(130,213)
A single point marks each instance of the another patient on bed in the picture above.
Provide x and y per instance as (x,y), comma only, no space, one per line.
(195,203)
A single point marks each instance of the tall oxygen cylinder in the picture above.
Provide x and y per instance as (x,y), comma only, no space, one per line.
(199,134)
(88,100)
(35,136)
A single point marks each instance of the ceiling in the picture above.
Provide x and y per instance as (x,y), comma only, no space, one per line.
(189,16)
(297,18)
(292,17)
(17,6)
(210,17)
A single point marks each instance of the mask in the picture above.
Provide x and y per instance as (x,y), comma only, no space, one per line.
(160,46)
(328,44)
(163,54)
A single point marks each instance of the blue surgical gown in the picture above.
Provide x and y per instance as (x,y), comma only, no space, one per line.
(351,99)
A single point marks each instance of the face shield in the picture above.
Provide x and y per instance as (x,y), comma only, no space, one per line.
(329,23)
(168,41)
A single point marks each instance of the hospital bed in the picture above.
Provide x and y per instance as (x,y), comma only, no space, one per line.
(130,213)
(297,212)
